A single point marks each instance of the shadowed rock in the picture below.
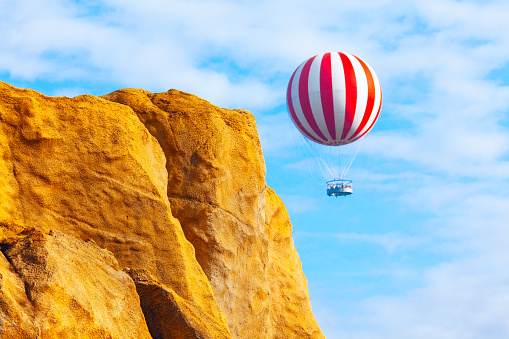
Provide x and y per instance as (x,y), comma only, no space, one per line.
(56,286)
(174,187)
(169,316)
(238,226)
(89,167)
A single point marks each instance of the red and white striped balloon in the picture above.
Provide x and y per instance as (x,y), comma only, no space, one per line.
(334,98)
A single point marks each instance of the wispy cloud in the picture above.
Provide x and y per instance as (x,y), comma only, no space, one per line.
(440,148)
(391,242)
(277,134)
(299,204)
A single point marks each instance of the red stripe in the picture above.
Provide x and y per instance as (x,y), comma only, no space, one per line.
(351,94)
(371,98)
(376,117)
(295,119)
(304,99)
(327,94)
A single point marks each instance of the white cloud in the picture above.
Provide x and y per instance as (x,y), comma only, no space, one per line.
(463,297)
(442,149)
(277,134)
(133,47)
(391,242)
(299,204)
(460,300)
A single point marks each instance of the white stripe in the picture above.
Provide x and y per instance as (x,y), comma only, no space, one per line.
(362,94)
(315,98)
(377,103)
(296,102)
(339,93)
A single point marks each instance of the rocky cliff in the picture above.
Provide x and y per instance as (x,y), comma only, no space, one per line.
(141,215)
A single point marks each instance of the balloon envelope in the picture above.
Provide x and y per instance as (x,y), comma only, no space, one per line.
(334,98)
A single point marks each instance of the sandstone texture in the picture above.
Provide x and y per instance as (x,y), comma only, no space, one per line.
(238,226)
(173,188)
(290,311)
(56,286)
(167,314)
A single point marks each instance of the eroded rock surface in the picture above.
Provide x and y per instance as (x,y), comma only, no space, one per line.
(168,315)
(290,309)
(239,228)
(89,167)
(173,188)
(56,286)
(16,311)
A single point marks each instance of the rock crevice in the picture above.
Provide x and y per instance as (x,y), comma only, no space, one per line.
(167,187)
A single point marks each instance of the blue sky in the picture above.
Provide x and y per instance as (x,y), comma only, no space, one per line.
(421,248)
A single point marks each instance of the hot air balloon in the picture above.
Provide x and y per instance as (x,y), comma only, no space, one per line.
(334,100)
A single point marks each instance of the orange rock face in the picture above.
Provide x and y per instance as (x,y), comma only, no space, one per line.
(175,188)
(167,314)
(290,309)
(89,167)
(238,226)
(56,286)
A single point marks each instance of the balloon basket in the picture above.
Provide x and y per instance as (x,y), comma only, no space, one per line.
(339,188)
